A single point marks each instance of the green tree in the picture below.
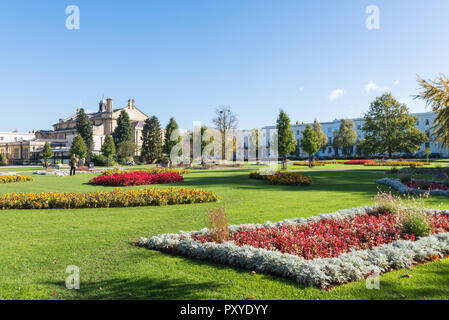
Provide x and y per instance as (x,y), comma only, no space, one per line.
(346,137)
(310,142)
(389,127)
(124,130)
(152,140)
(78,147)
(171,127)
(125,151)
(84,129)
(47,153)
(108,148)
(436,94)
(286,139)
(321,136)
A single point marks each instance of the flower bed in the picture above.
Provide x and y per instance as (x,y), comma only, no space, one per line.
(358,162)
(306,164)
(322,251)
(426,185)
(413,187)
(397,164)
(152,171)
(14,178)
(284,178)
(116,198)
(137,178)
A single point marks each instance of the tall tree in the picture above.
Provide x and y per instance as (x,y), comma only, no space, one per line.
(125,151)
(321,136)
(78,147)
(310,142)
(152,140)
(169,129)
(84,129)
(346,137)
(47,153)
(389,127)
(124,130)
(286,139)
(436,94)
(224,121)
(108,148)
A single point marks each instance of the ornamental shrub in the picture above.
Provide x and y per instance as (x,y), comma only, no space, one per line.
(3,160)
(217,222)
(415,222)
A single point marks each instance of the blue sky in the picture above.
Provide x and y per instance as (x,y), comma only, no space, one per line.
(183,58)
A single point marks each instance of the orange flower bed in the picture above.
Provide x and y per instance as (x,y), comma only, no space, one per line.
(114,199)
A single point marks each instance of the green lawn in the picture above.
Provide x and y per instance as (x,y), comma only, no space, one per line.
(38,245)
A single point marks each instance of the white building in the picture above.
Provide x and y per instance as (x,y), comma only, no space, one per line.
(424,124)
(16,136)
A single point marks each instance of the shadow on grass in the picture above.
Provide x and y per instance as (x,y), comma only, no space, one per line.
(321,181)
(142,288)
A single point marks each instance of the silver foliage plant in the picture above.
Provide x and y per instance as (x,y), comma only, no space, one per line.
(320,272)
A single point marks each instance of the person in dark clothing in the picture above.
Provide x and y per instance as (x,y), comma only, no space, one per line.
(73,164)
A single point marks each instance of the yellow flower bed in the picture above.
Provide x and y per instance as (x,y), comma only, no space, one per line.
(14,178)
(153,171)
(114,199)
(306,164)
(397,164)
(284,178)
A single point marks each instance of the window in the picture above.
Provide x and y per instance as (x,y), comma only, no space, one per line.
(427,144)
(329,129)
(417,123)
(330,150)
(359,127)
(427,122)
(297,132)
(330,140)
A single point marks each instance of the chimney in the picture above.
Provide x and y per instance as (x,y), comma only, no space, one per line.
(109,105)
(131,103)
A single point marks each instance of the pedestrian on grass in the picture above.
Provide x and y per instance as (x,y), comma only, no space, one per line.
(73,164)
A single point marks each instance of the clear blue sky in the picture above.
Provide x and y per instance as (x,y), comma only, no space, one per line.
(183,58)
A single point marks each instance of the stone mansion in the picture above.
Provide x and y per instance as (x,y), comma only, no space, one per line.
(26,148)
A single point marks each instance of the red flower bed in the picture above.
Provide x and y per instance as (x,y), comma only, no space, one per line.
(359,161)
(137,178)
(426,185)
(330,237)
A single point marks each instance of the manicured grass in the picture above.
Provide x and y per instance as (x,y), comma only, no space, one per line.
(38,245)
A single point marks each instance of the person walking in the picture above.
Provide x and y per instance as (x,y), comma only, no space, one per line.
(73,164)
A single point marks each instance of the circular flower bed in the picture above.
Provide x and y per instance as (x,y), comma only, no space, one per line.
(14,178)
(284,178)
(137,178)
(117,198)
